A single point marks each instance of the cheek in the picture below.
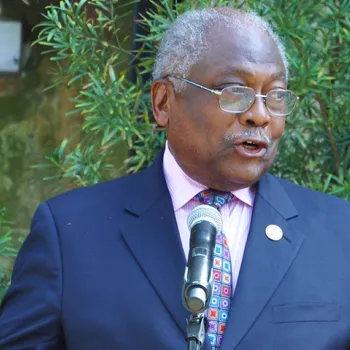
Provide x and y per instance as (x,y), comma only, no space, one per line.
(277,127)
(203,122)
(276,131)
(273,150)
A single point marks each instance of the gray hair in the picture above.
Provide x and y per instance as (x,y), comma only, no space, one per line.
(185,41)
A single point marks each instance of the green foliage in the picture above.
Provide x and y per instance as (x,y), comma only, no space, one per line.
(315,150)
(7,252)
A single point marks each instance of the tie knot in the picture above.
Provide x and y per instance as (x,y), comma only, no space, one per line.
(214,198)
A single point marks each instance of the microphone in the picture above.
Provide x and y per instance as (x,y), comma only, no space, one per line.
(204,222)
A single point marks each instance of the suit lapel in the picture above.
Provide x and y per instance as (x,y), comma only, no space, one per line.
(265,262)
(151,233)
(153,238)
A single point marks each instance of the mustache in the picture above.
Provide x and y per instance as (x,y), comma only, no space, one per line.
(256,133)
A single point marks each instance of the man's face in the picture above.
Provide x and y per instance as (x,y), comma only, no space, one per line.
(207,142)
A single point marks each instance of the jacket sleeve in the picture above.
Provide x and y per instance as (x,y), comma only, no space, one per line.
(31,309)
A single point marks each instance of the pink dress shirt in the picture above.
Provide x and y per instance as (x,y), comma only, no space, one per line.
(236,215)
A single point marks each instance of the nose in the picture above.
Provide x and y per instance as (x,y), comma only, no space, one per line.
(257,115)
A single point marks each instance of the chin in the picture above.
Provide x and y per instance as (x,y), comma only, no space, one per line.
(243,178)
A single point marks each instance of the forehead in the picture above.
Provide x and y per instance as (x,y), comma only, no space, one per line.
(251,52)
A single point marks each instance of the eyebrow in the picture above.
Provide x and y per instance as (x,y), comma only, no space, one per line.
(247,73)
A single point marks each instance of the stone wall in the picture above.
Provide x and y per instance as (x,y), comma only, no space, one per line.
(32,124)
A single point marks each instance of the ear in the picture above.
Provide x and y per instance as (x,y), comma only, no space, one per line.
(161,93)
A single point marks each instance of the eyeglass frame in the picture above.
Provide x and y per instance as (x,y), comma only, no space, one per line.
(219,93)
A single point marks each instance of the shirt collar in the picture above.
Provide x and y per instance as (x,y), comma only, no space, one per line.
(182,188)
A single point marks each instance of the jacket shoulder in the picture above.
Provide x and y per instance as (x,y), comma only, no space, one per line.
(304,197)
(111,191)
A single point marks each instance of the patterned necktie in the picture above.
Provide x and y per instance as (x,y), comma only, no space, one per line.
(219,306)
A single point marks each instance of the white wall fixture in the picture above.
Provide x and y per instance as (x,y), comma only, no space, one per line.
(10,47)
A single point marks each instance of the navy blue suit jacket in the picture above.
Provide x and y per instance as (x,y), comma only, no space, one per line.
(102,269)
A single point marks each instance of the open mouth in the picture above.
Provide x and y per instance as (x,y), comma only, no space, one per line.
(251,147)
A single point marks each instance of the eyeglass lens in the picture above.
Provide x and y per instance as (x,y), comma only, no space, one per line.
(238,99)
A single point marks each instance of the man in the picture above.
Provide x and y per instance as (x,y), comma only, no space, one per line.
(103,266)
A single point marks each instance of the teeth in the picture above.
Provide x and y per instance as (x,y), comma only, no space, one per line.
(250,145)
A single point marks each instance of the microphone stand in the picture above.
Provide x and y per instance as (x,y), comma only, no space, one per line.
(195,333)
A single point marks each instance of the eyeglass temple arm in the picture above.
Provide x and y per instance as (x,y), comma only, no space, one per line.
(195,84)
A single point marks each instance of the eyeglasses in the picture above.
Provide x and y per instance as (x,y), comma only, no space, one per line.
(238,99)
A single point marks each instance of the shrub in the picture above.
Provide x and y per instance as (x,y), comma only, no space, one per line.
(7,252)
(315,150)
